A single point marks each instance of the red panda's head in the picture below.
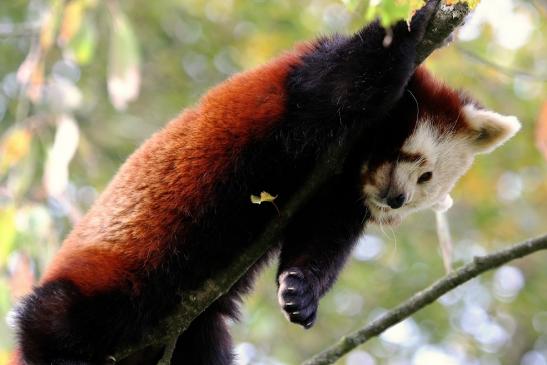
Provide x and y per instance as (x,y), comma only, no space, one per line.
(441,132)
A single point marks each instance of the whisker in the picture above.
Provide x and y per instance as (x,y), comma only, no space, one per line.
(395,245)
(394,235)
(381,225)
(364,220)
(417,106)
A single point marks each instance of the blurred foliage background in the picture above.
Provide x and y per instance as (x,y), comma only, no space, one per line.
(84,82)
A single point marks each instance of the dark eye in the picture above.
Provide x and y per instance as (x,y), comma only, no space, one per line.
(425,177)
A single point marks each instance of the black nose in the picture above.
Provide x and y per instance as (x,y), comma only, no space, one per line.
(396,201)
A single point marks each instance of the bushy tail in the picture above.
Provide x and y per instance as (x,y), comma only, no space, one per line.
(44,324)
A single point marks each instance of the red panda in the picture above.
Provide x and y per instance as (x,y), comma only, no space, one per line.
(178,210)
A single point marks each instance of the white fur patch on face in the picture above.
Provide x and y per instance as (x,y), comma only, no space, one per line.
(443,158)
(488,129)
(424,140)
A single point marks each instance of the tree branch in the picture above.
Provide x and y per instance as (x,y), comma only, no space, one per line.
(447,18)
(193,303)
(425,297)
(508,71)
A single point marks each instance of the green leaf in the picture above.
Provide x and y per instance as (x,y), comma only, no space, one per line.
(389,11)
(82,45)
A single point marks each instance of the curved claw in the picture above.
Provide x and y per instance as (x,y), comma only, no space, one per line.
(296,297)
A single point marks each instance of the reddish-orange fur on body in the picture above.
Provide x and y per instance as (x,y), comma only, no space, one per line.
(167,181)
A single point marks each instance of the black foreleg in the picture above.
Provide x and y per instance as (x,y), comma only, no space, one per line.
(315,249)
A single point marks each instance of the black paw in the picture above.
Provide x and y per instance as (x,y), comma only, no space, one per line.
(402,31)
(421,19)
(297,298)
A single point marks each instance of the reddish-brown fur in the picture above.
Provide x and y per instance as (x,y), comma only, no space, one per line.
(445,115)
(172,176)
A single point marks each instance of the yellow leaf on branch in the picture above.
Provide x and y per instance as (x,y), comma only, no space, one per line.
(264,197)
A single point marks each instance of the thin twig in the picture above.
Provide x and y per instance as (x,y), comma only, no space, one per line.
(445,241)
(508,71)
(427,296)
(447,18)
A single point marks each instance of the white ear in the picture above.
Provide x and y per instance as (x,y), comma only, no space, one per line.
(488,129)
(443,204)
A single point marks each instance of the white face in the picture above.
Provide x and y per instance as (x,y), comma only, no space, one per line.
(429,164)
